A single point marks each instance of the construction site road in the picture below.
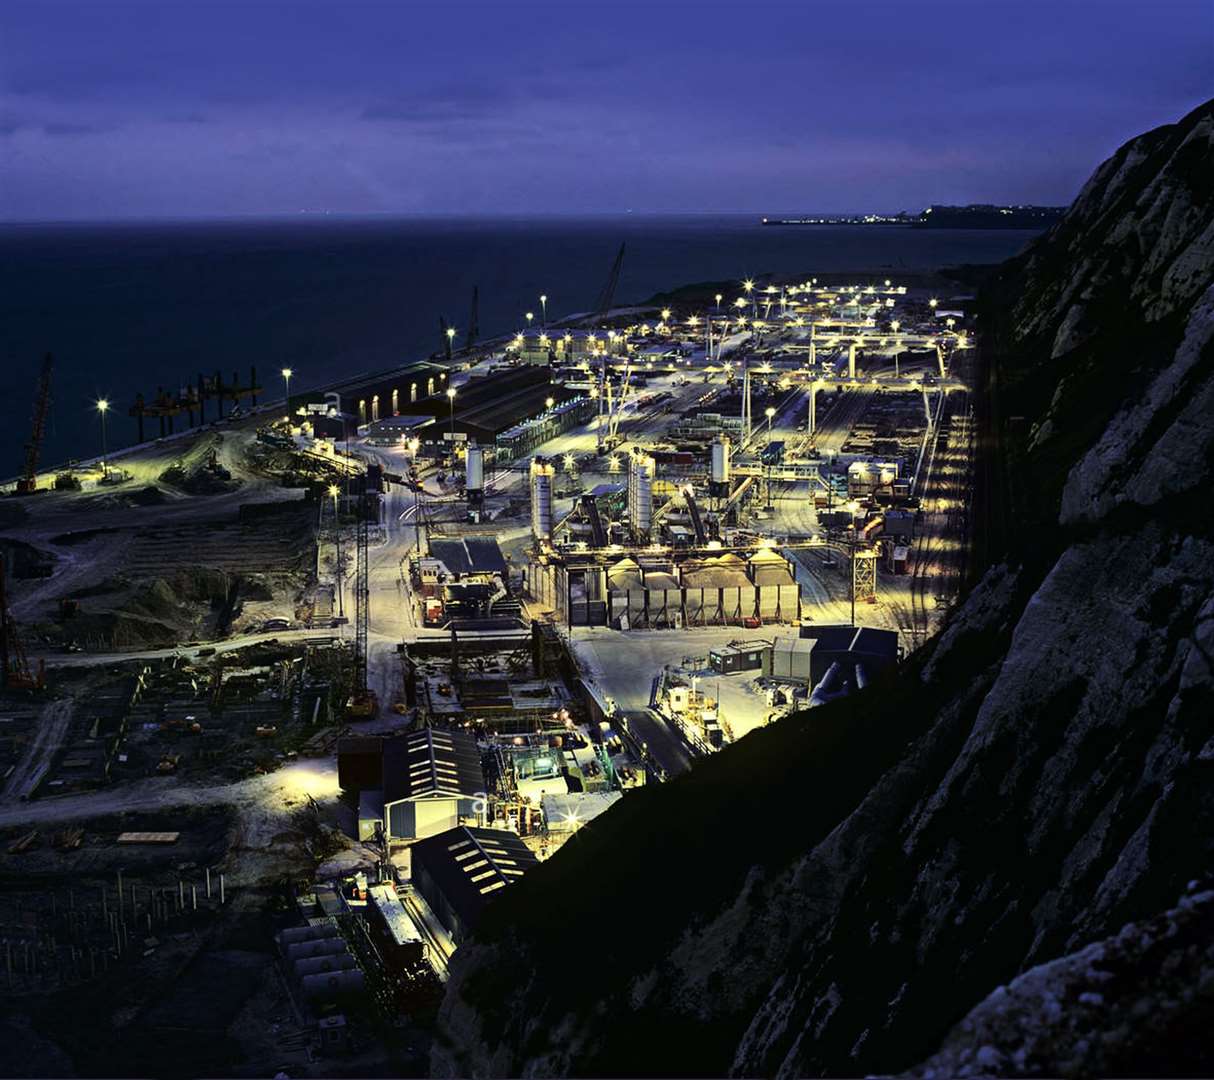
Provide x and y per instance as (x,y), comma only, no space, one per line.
(273,794)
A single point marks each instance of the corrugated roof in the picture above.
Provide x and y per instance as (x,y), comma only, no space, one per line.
(469,555)
(472,865)
(432,764)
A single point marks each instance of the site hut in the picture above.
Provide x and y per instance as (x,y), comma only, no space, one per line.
(461,871)
(741,656)
(395,430)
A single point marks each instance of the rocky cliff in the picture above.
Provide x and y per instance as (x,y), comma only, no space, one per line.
(834,894)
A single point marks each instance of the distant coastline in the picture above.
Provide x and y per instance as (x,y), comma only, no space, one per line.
(973,216)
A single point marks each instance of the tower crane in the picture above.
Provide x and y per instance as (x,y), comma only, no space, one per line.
(28,482)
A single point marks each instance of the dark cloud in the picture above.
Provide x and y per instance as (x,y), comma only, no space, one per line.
(471,105)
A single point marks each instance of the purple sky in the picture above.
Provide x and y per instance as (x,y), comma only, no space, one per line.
(196,107)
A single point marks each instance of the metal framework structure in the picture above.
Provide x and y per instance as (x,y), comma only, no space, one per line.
(864,575)
(474,327)
(607,296)
(362,592)
(42,405)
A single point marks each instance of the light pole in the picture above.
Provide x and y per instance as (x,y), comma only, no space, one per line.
(334,492)
(286,379)
(770,413)
(451,398)
(103,407)
(719,298)
(450,340)
(530,316)
(544,310)
(896,326)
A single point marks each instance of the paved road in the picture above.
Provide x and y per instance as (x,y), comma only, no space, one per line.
(661,741)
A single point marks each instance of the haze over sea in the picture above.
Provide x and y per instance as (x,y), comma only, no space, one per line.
(126,308)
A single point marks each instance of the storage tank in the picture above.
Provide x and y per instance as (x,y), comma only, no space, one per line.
(322,965)
(640,494)
(474,476)
(294,934)
(302,950)
(542,473)
(331,985)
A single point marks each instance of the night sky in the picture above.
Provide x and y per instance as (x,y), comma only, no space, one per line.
(168,108)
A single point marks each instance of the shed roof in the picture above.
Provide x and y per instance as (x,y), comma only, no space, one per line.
(469,555)
(470,865)
(432,763)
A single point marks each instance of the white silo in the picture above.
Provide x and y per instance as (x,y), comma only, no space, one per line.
(640,495)
(542,473)
(474,476)
(718,467)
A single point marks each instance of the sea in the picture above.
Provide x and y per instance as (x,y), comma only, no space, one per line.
(127,308)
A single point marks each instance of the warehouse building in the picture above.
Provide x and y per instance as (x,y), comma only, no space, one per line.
(488,405)
(412,786)
(873,649)
(417,389)
(460,871)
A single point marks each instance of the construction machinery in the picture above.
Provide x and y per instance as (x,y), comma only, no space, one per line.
(15,673)
(28,483)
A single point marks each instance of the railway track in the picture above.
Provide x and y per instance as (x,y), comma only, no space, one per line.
(944,496)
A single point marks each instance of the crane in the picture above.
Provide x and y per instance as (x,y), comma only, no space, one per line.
(607,296)
(42,405)
(363,701)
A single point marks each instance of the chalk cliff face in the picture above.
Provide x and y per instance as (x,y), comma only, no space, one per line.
(834,894)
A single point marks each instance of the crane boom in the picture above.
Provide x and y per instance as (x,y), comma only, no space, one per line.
(607,296)
(474,328)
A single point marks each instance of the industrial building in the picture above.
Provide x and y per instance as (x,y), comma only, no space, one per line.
(489,405)
(645,590)
(428,781)
(866,647)
(418,388)
(460,871)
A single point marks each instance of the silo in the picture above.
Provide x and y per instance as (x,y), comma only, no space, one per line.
(718,468)
(474,476)
(542,473)
(640,495)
